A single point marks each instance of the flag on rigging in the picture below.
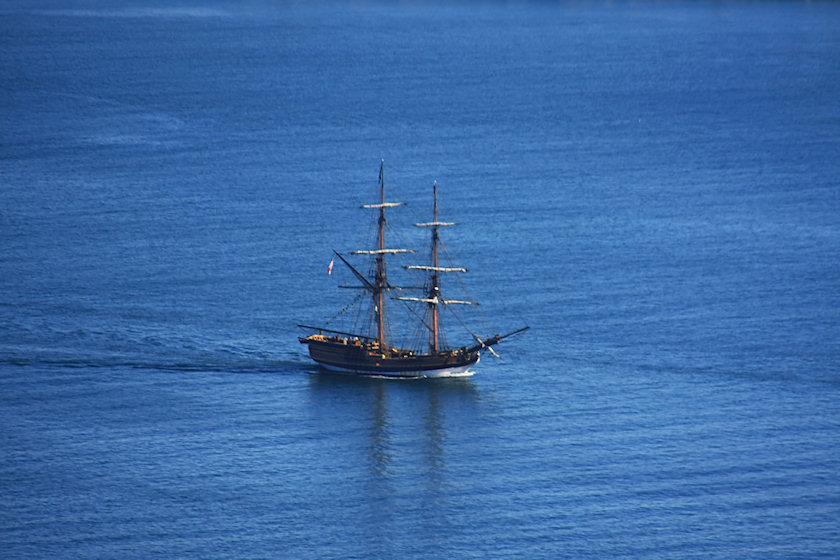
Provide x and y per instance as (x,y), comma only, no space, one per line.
(329,268)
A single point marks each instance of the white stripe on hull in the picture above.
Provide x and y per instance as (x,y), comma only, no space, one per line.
(458,371)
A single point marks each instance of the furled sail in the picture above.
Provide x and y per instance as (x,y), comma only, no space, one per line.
(438,301)
(383,252)
(435,268)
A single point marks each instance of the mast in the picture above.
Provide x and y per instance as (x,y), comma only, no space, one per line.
(434,279)
(380,279)
(434,298)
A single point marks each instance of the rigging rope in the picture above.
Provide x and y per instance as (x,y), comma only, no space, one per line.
(345,308)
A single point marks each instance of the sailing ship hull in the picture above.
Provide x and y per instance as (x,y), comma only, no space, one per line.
(350,356)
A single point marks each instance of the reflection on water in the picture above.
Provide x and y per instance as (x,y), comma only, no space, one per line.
(434,428)
(380,455)
(434,438)
(404,422)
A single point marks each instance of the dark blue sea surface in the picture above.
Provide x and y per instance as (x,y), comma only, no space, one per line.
(653,187)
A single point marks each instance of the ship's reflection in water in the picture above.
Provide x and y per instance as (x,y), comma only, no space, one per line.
(402,426)
(380,455)
(389,444)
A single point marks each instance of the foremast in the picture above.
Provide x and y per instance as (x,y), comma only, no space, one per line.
(434,297)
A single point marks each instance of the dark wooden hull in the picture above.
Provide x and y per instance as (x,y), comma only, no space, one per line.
(352,356)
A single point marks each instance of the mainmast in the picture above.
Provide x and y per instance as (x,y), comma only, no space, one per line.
(380,281)
(434,280)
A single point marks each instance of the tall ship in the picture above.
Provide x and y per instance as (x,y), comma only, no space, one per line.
(370,350)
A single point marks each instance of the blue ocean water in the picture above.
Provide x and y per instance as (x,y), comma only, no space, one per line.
(653,187)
